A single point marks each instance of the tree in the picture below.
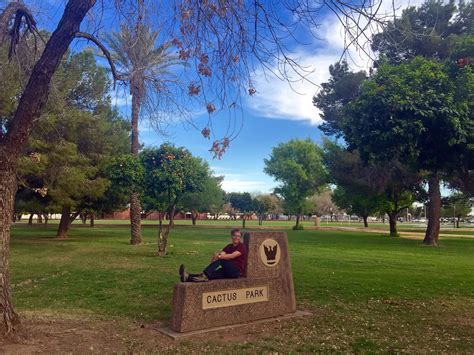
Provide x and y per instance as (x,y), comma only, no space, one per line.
(461,71)
(429,30)
(354,202)
(77,134)
(264,205)
(145,67)
(169,174)
(457,205)
(388,184)
(243,203)
(240,46)
(322,203)
(409,113)
(433,31)
(29,108)
(209,199)
(342,87)
(297,165)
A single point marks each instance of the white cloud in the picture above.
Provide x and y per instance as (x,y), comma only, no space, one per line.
(278,99)
(237,183)
(275,98)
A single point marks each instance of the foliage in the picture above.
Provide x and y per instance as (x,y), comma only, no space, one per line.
(457,205)
(126,173)
(266,204)
(342,87)
(148,68)
(77,135)
(170,172)
(322,203)
(461,71)
(209,199)
(366,187)
(243,203)
(355,202)
(433,31)
(409,113)
(429,30)
(297,166)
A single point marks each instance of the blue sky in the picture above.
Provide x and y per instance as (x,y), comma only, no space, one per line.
(274,115)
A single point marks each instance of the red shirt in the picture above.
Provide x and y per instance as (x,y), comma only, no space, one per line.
(241,260)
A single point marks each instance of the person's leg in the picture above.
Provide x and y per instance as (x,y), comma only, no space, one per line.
(215,270)
(231,271)
(187,277)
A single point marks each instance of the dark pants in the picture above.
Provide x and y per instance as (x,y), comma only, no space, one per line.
(222,269)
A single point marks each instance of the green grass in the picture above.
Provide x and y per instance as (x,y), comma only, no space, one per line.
(356,283)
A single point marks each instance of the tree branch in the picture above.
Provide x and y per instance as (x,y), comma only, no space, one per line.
(19,12)
(106,53)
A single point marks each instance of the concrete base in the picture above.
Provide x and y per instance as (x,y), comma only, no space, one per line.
(176,335)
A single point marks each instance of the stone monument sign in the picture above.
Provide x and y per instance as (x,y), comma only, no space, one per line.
(265,291)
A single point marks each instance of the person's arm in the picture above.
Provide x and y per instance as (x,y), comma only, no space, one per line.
(224,256)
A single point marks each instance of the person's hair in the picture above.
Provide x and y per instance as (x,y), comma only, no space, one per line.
(234,231)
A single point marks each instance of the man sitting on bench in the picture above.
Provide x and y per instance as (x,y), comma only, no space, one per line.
(230,263)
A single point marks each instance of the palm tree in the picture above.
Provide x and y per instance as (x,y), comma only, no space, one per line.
(146,68)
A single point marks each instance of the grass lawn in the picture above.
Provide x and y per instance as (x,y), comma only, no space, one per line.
(367,292)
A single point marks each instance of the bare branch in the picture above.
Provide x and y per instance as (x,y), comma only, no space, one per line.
(20,14)
(106,53)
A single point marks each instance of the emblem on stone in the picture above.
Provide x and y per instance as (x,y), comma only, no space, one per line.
(270,252)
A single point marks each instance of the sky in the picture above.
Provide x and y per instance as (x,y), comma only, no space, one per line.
(274,115)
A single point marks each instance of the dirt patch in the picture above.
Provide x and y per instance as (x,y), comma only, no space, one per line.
(53,334)
(380,325)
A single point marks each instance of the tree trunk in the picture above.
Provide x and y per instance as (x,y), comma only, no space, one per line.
(163,233)
(434,212)
(392,219)
(135,219)
(366,224)
(92,221)
(135,206)
(46,219)
(317,221)
(171,213)
(9,319)
(30,220)
(30,107)
(297,220)
(65,223)
(40,218)
(243,221)
(194,217)
(457,222)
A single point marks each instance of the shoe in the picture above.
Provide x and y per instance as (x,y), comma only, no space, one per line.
(183,275)
(198,278)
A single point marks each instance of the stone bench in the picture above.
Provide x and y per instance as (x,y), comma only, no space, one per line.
(267,290)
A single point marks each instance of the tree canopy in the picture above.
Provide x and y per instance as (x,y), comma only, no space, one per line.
(297,166)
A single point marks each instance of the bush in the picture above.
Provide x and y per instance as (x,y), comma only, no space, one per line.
(298,227)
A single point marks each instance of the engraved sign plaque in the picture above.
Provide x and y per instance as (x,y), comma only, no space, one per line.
(234,297)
